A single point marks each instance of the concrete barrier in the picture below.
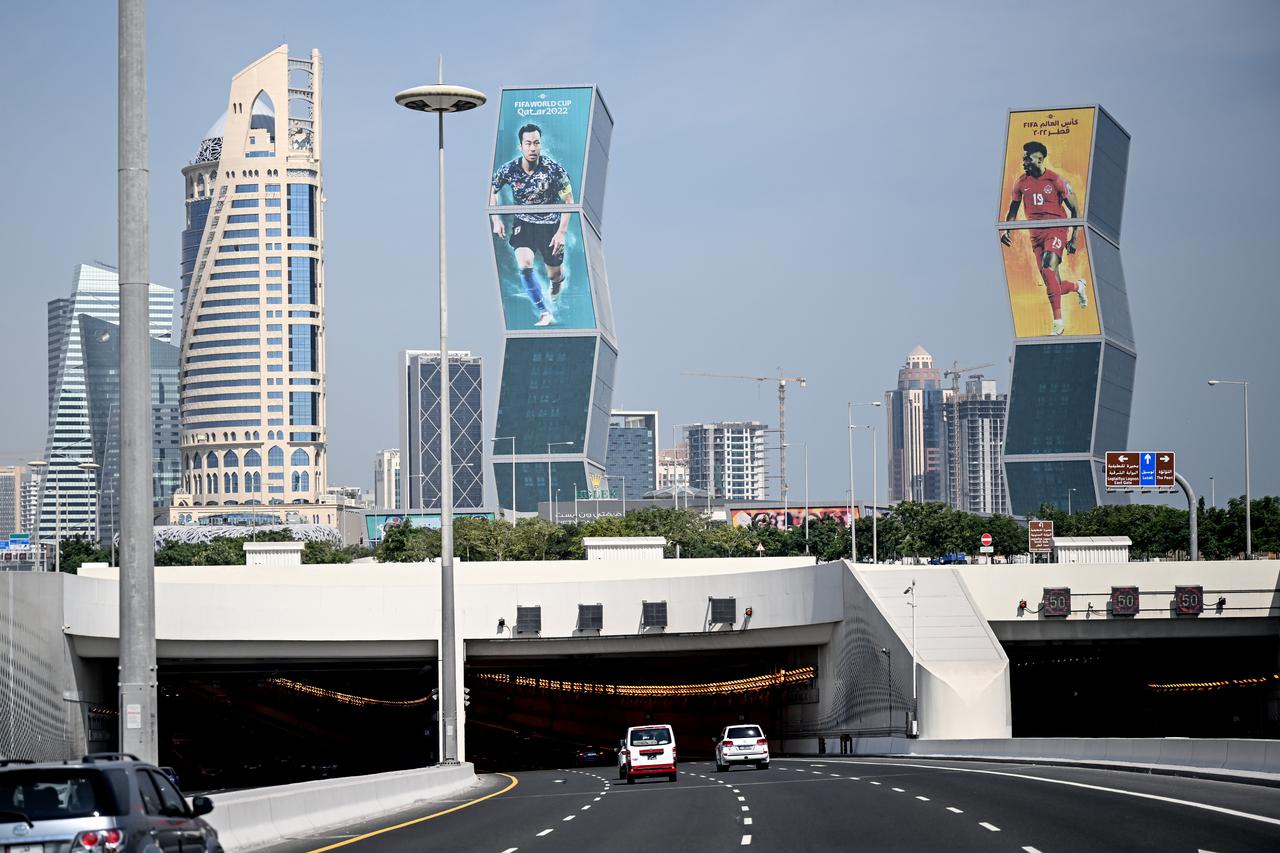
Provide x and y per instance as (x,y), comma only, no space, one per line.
(1257,760)
(247,820)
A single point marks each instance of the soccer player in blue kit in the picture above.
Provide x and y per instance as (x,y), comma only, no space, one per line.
(535,179)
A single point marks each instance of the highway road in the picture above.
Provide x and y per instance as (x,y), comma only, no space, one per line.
(830,803)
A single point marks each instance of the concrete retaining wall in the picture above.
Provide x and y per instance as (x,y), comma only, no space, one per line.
(247,820)
(1229,756)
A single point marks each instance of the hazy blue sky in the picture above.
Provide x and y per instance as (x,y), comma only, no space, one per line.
(806,185)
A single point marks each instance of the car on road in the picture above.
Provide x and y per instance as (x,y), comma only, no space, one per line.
(592,755)
(647,751)
(103,803)
(742,744)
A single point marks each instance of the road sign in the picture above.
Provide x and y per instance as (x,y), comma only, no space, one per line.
(1188,600)
(20,540)
(1056,601)
(986,540)
(4,544)
(1145,469)
(987,549)
(1040,537)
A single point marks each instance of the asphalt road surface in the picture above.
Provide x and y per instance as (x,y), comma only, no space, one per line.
(830,803)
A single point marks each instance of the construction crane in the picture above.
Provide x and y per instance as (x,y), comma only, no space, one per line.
(953,433)
(782,413)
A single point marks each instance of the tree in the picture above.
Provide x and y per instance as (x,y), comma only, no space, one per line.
(404,543)
(77,550)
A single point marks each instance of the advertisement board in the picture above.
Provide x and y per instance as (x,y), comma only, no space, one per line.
(1046,164)
(542,272)
(1051,284)
(542,144)
(780,518)
(377,523)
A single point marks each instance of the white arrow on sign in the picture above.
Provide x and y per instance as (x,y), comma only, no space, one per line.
(1164,458)
(1123,458)
(1148,458)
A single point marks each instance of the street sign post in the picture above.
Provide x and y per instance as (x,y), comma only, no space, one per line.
(1145,469)
(1040,536)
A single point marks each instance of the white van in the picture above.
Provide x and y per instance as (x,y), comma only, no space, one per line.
(742,744)
(647,751)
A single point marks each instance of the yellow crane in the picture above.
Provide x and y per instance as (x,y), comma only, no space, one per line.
(782,413)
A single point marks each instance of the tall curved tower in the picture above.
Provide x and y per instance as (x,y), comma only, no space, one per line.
(546,217)
(252,362)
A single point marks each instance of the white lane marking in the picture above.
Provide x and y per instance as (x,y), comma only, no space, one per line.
(923,799)
(985,825)
(596,800)
(545,832)
(511,850)
(955,810)
(746,839)
(736,791)
(837,775)
(1139,794)
(746,808)
(746,821)
(817,765)
(584,808)
(1034,850)
(856,778)
(570,817)
(742,799)
(899,790)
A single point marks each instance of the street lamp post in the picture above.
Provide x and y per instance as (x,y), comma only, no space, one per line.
(41,466)
(512,439)
(875,497)
(1213,494)
(1248,492)
(853,503)
(555,507)
(889,685)
(1070,492)
(911,591)
(806,497)
(90,468)
(551,444)
(440,99)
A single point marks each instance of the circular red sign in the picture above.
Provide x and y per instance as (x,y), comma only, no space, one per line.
(986,539)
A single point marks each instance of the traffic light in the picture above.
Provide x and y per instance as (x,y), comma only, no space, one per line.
(466,696)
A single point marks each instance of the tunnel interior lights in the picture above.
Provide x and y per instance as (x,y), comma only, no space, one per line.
(781,678)
(1210,686)
(344,698)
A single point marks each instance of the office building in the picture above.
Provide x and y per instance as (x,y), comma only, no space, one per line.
(253,283)
(727,460)
(560,345)
(1074,356)
(419,380)
(386,479)
(100,344)
(673,466)
(632,459)
(978,426)
(13,481)
(916,435)
(69,494)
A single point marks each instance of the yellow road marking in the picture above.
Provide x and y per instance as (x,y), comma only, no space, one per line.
(514,782)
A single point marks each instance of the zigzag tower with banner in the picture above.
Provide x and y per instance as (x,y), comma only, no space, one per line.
(546,212)
(1062,197)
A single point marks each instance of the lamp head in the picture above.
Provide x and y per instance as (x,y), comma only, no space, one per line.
(440,98)
(1213,381)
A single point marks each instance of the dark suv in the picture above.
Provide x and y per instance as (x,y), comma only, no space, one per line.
(103,803)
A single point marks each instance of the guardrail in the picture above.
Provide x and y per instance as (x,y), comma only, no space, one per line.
(1239,757)
(255,818)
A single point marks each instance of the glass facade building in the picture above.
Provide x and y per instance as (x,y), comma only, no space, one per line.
(1072,388)
(917,431)
(726,459)
(546,216)
(69,499)
(252,265)
(632,460)
(418,461)
(978,448)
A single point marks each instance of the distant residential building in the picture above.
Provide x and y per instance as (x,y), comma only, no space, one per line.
(12,483)
(727,459)
(673,466)
(419,380)
(386,479)
(100,345)
(348,496)
(30,502)
(979,439)
(917,431)
(69,497)
(631,463)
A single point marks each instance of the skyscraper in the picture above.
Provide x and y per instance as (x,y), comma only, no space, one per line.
(100,344)
(12,483)
(632,460)
(917,431)
(386,479)
(979,448)
(69,495)
(726,459)
(252,364)
(420,428)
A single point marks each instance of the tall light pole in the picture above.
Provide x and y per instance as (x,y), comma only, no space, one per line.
(41,467)
(551,444)
(875,496)
(806,497)
(853,503)
(512,439)
(440,99)
(1070,492)
(888,655)
(1213,494)
(911,591)
(1248,492)
(91,468)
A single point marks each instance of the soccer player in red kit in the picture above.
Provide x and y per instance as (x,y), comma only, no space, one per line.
(1046,195)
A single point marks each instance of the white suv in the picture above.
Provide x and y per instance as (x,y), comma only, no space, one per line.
(647,751)
(742,744)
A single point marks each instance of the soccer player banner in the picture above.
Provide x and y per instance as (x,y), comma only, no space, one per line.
(1049,144)
(1051,284)
(542,272)
(542,144)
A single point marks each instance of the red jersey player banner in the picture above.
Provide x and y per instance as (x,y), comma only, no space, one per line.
(1054,145)
(1050,300)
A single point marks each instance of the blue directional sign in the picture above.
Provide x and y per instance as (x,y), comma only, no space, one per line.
(1147,469)
(4,544)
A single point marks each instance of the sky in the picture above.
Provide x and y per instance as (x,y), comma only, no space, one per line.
(807,186)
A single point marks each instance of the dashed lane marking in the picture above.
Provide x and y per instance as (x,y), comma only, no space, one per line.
(955,810)
(545,832)
(511,850)
(1034,850)
(746,808)
(875,783)
(899,790)
(985,825)
(345,842)
(584,808)
(922,799)
(746,839)
(596,800)
(570,817)
(742,799)
(746,821)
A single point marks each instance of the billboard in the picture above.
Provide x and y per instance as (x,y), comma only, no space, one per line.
(1051,283)
(1046,164)
(780,519)
(542,144)
(377,523)
(542,271)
